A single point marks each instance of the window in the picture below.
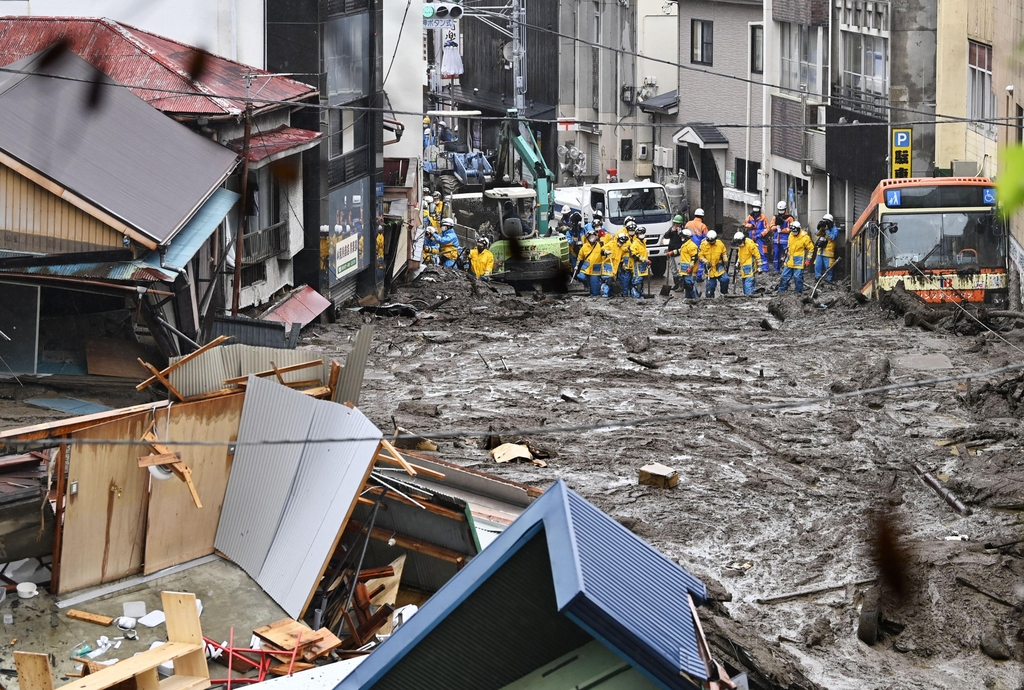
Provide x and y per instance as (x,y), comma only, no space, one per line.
(1020,125)
(252,274)
(347,54)
(347,130)
(268,201)
(701,40)
(864,65)
(799,57)
(757,49)
(746,175)
(981,102)
(685,162)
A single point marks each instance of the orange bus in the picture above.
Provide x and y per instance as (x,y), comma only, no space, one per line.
(941,236)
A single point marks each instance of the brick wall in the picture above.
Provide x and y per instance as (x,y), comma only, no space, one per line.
(786,140)
(809,12)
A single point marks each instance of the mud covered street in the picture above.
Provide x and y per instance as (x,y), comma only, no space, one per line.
(769,503)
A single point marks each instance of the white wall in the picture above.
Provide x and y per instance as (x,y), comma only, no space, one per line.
(229,28)
(407,76)
(657,29)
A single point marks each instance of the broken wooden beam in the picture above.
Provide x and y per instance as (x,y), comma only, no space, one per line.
(954,502)
(817,590)
(159,376)
(180,469)
(994,597)
(184,360)
(643,362)
(90,617)
(159,459)
(274,371)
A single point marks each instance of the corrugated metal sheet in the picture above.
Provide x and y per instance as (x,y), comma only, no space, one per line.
(134,271)
(344,290)
(208,371)
(196,231)
(124,157)
(327,483)
(277,141)
(351,380)
(255,331)
(607,579)
(35,220)
(262,474)
(141,59)
(301,307)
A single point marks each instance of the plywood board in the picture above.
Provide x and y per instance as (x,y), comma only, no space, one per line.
(105,521)
(178,531)
(117,357)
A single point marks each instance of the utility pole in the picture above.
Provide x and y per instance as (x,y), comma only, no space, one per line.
(242,216)
(518,30)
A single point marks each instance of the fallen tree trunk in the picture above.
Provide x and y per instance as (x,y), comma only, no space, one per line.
(914,310)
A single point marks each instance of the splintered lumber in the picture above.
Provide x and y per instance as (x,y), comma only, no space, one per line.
(326,644)
(184,360)
(162,379)
(286,633)
(180,469)
(332,379)
(318,392)
(954,502)
(371,573)
(275,371)
(282,669)
(159,459)
(811,592)
(90,617)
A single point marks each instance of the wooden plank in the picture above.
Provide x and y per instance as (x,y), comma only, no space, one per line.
(318,392)
(148,680)
(116,357)
(213,394)
(162,379)
(159,459)
(327,643)
(277,373)
(65,427)
(58,511)
(389,595)
(286,632)
(271,372)
(282,669)
(183,471)
(387,460)
(429,507)
(183,626)
(105,522)
(33,671)
(178,531)
(413,544)
(181,682)
(184,360)
(393,457)
(332,379)
(127,669)
(89,617)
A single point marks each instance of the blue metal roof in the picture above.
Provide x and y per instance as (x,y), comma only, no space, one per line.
(136,271)
(607,580)
(190,238)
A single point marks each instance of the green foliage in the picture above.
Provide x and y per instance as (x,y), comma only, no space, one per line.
(1011,180)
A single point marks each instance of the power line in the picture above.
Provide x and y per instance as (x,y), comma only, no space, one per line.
(646,421)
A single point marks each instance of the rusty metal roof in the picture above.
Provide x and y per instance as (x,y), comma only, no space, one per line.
(140,59)
(274,142)
(301,306)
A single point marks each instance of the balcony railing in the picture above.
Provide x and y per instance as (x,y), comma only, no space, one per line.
(815,146)
(861,101)
(263,244)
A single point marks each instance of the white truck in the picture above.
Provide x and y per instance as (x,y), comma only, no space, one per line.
(644,200)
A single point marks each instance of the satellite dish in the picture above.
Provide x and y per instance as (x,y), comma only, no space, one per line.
(506,52)
(562,150)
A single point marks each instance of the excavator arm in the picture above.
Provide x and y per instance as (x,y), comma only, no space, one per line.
(516,132)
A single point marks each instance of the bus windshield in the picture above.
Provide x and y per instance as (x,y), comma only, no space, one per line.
(646,204)
(958,240)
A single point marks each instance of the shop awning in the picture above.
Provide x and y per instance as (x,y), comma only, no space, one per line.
(662,104)
(197,231)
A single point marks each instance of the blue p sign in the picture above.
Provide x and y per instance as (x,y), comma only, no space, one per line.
(901,138)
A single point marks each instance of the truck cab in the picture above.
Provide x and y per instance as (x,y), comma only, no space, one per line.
(646,201)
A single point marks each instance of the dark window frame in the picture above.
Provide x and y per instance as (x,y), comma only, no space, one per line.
(757,49)
(702,46)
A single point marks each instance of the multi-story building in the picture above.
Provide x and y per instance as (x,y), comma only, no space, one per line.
(719,167)
(1007,80)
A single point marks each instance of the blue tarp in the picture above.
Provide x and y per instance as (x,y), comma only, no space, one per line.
(187,242)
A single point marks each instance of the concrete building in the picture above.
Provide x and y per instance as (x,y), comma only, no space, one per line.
(1008,87)
(720,168)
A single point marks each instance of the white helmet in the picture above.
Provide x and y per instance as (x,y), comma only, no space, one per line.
(781,206)
(712,235)
(755,207)
(738,237)
(565,210)
(449,222)
(795,225)
(687,232)
(828,217)
(428,199)
(699,213)
(598,214)
(484,241)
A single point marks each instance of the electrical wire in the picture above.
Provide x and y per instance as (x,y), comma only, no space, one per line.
(398,42)
(645,421)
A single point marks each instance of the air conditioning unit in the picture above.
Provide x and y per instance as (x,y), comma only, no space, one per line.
(964,168)
(643,152)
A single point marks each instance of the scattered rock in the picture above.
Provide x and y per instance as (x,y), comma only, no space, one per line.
(637,343)
(819,633)
(766,325)
(419,408)
(993,644)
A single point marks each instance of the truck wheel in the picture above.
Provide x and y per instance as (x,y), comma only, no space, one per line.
(658,264)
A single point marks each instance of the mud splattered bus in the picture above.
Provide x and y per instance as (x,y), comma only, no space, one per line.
(941,236)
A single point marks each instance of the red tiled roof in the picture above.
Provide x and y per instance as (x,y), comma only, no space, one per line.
(139,59)
(274,141)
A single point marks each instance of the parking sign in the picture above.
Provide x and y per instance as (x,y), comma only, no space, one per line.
(901,154)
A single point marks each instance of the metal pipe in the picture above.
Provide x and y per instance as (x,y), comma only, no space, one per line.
(175,331)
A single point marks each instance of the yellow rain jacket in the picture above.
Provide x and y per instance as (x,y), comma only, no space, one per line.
(800,250)
(623,256)
(688,258)
(638,250)
(749,258)
(715,255)
(590,258)
(481,262)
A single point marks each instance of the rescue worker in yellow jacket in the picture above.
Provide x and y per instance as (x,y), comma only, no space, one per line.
(714,256)
(590,262)
(700,234)
(616,258)
(687,263)
(481,260)
(748,260)
(828,233)
(799,254)
(641,262)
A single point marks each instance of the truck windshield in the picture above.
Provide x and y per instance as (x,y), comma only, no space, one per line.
(646,204)
(959,240)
